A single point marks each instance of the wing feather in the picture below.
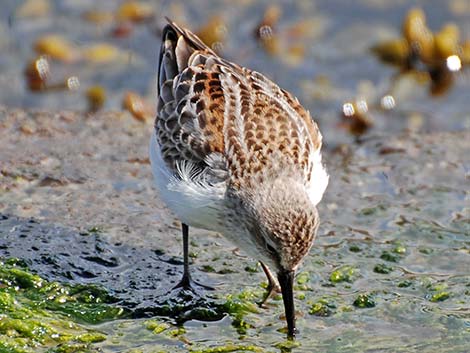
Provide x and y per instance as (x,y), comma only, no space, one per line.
(211,111)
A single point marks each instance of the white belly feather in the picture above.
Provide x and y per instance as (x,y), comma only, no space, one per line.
(196,203)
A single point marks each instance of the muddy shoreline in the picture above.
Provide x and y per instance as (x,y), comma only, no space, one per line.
(396,213)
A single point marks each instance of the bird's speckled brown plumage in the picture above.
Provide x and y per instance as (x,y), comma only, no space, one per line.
(208,105)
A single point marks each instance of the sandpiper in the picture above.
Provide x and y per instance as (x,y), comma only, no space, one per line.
(234,153)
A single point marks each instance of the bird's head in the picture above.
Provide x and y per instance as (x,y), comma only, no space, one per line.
(284,222)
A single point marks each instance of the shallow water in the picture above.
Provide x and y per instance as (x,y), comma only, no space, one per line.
(389,268)
(402,231)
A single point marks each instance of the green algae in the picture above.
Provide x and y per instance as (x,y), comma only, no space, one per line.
(176,332)
(323,308)
(389,256)
(383,269)
(208,268)
(287,345)
(405,284)
(302,282)
(344,274)
(96,229)
(251,269)
(373,211)
(440,296)
(426,251)
(364,301)
(38,314)
(156,326)
(230,347)
(355,248)
(399,249)
(303,278)
(438,292)
(242,303)
(235,305)
(238,306)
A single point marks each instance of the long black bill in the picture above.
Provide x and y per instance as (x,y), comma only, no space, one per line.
(286,280)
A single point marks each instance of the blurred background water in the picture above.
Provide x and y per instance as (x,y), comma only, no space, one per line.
(319,50)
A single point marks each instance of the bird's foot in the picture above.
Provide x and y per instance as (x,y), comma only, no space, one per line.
(273,286)
(273,289)
(187,283)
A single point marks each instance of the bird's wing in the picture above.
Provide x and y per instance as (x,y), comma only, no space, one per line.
(215,113)
(189,123)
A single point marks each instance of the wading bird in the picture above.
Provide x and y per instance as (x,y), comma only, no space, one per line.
(234,153)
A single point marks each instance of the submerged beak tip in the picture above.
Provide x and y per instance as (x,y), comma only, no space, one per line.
(286,280)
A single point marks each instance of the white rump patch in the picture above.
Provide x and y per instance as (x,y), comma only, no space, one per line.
(319,178)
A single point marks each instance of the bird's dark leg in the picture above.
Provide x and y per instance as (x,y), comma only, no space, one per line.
(185,282)
(273,287)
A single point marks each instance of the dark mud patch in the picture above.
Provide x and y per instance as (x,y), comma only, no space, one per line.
(137,279)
